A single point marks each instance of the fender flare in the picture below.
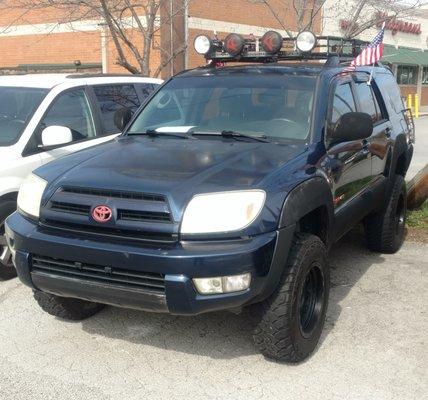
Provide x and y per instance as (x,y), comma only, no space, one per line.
(306,197)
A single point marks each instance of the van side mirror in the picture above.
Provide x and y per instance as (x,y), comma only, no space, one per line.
(56,135)
(122,118)
(352,126)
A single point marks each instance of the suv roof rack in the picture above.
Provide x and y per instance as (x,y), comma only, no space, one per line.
(236,48)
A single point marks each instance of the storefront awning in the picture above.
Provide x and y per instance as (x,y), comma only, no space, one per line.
(404,55)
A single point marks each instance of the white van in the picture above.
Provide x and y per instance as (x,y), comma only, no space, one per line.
(43,117)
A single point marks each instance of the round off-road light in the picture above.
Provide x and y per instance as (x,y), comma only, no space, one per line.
(272,42)
(234,44)
(306,41)
(202,44)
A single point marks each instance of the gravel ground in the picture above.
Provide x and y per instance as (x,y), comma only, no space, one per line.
(374,344)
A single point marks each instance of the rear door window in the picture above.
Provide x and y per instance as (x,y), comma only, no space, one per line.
(146,89)
(111,98)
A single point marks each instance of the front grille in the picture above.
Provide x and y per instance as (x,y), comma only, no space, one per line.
(116,194)
(96,273)
(70,208)
(136,216)
(132,235)
(130,215)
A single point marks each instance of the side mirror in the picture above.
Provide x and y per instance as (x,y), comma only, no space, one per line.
(54,135)
(352,126)
(122,118)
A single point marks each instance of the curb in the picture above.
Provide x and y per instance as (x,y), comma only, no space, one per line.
(417,189)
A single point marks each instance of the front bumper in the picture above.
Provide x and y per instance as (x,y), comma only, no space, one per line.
(264,256)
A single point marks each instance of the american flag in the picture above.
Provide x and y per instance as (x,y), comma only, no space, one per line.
(372,53)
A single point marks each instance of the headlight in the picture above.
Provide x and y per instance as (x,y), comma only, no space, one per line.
(222,212)
(30,195)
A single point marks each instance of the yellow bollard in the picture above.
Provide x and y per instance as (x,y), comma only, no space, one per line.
(416,105)
(409,102)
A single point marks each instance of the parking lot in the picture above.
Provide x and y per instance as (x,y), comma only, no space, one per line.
(374,344)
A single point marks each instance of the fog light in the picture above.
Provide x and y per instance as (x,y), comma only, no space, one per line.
(223,284)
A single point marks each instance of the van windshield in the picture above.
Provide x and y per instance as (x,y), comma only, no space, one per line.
(278,106)
(17,105)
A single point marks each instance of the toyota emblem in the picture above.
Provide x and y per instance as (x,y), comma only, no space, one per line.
(102,214)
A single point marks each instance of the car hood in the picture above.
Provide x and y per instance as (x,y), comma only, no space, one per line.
(176,168)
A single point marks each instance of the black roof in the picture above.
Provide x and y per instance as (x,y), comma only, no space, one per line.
(302,68)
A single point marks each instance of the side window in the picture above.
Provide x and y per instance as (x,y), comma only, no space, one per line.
(71,109)
(367,101)
(343,102)
(111,98)
(146,89)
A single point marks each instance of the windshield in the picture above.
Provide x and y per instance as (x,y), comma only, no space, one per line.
(17,105)
(276,105)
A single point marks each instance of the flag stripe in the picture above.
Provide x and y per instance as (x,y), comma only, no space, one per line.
(372,53)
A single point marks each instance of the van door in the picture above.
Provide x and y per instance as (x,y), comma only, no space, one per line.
(73,110)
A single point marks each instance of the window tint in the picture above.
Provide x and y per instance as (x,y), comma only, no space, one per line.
(17,105)
(343,102)
(367,101)
(390,92)
(112,98)
(258,104)
(72,110)
(146,89)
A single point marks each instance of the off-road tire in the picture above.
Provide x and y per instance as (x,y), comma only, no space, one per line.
(66,308)
(385,229)
(278,333)
(7,271)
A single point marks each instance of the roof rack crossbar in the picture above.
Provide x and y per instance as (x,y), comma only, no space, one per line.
(325,48)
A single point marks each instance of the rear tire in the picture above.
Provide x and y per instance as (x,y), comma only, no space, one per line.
(385,229)
(66,308)
(291,320)
(7,270)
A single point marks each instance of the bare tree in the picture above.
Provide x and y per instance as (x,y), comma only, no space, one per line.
(365,14)
(304,12)
(133,25)
(359,15)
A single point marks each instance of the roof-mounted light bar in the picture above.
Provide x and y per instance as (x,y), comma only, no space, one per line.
(273,47)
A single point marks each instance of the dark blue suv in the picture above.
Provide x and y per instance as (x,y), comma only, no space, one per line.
(225,191)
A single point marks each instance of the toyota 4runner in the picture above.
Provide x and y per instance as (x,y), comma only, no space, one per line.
(224,192)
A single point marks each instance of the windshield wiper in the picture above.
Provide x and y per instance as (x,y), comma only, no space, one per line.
(232,134)
(154,133)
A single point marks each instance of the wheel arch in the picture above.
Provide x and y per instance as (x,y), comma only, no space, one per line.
(12,196)
(309,206)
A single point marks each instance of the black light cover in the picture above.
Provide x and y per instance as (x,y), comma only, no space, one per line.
(272,42)
(234,44)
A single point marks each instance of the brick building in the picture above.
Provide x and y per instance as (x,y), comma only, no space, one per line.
(34,41)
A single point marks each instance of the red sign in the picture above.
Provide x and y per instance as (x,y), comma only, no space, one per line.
(393,25)
(396,25)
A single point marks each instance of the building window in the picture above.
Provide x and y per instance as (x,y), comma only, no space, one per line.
(407,75)
(425,76)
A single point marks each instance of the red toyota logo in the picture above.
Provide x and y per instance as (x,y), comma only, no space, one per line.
(102,214)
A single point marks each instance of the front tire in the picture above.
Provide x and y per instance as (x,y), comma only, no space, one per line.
(65,307)
(290,322)
(385,229)
(7,270)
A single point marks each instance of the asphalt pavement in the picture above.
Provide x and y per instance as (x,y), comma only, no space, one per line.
(374,344)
